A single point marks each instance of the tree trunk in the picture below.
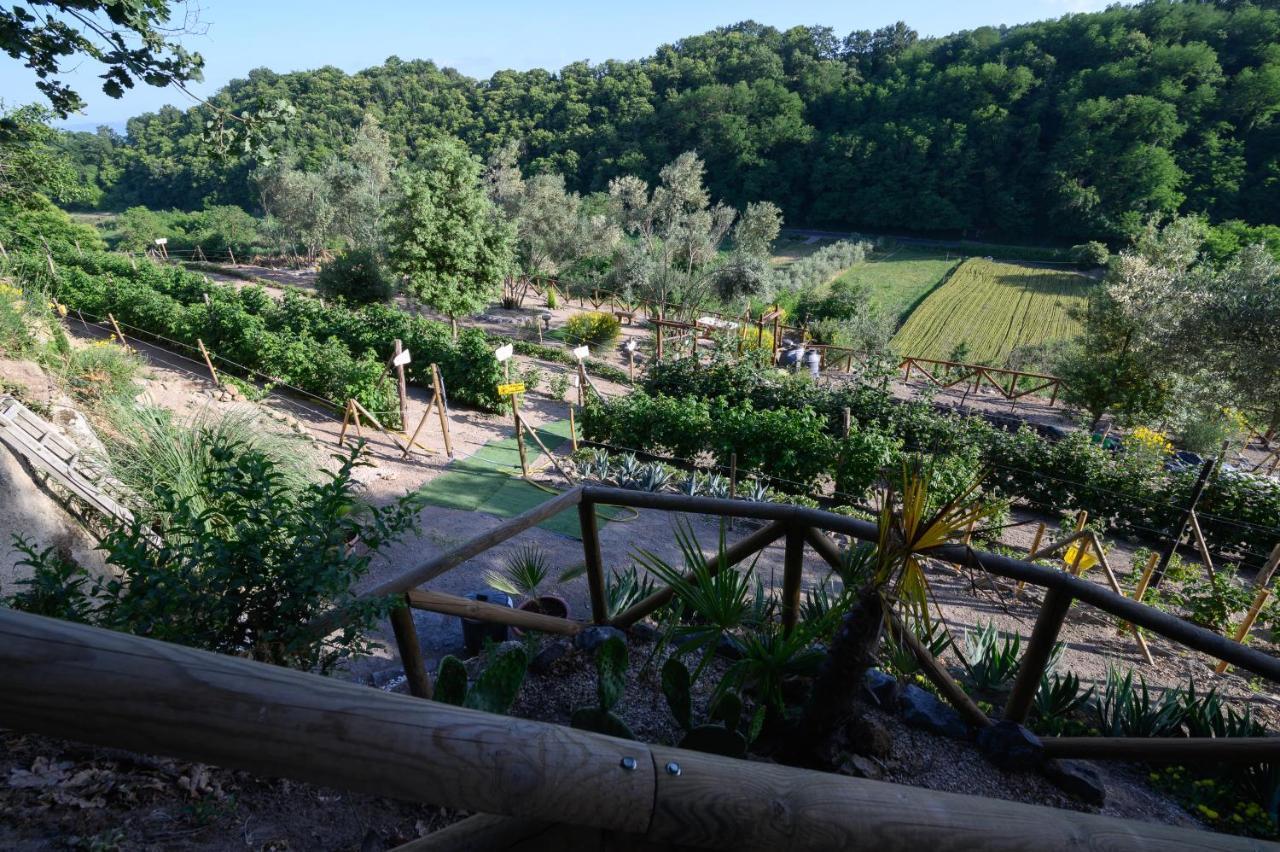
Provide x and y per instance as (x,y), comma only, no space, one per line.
(839,683)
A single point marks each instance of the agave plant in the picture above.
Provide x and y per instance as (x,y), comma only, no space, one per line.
(691,485)
(628,471)
(654,477)
(899,656)
(1057,698)
(1129,711)
(758,492)
(625,589)
(716,486)
(992,657)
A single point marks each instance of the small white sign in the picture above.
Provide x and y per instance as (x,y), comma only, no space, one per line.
(581,352)
(162,241)
(504,352)
(401,359)
(630,346)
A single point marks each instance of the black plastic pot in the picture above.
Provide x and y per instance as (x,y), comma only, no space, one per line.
(475,632)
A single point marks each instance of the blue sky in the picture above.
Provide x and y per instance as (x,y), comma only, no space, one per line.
(479,38)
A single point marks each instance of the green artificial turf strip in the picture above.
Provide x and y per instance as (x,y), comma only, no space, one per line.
(489,482)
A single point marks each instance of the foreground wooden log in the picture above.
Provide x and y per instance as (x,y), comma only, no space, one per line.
(163,699)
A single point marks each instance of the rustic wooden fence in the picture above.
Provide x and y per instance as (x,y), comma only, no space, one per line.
(1012,384)
(802,527)
(552,787)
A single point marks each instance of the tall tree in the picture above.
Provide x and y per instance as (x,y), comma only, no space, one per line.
(444,235)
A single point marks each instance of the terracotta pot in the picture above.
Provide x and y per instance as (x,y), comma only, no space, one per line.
(553,605)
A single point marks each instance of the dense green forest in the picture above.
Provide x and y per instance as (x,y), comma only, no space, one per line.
(1060,130)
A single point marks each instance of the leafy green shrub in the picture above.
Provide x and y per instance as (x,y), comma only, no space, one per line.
(247,574)
(592,328)
(1091,254)
(16,335)
(1211,601)
(55,587)
(355,276)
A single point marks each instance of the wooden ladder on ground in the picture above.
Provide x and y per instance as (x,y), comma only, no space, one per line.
(33,438)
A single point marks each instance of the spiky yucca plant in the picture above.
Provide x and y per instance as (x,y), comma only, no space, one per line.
(907,531)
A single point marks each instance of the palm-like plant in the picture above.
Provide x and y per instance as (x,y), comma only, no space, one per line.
(525,571)
(908,529)
(717,600)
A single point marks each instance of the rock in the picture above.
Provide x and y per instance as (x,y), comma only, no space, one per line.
(869,737)
(593,637)
(542,662)
(505,647)
(882,687)
(645,632)
(923,710)
(728,647)
(381,679)
(75,427)
(1077,778)
(862,767)
(1011,746)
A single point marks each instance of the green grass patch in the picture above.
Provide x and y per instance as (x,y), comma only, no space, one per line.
(993,308)
(900,276)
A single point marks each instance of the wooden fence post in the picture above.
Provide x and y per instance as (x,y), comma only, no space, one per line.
(573,430)
(515,414)
(415,669)
(792,572)
(401,385)
(1039,648)
(594,560)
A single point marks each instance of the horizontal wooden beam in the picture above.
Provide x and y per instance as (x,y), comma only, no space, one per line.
(164,699)
(481,611)
(1167,749)
(1169,626)
(437,565)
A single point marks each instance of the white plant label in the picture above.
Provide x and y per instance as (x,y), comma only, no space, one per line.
(401,359)
(502,353)
(162,241)
(581,352)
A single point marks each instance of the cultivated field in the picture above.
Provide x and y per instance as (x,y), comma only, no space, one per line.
(900,276)
(993,308)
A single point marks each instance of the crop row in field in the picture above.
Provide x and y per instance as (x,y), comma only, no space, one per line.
(899,276)
(993,308)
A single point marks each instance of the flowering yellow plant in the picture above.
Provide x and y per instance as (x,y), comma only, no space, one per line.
(1150,440)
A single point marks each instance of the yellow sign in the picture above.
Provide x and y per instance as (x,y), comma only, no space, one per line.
(509,389)
(1087,561)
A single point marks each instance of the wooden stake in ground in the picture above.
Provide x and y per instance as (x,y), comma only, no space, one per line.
(1245,626)
(573,430)
(346,421)
(1031,554)
(1115,587)
(733,480)
(208,362)
(442,407)
(401,386)
(1177,534)
(119,334)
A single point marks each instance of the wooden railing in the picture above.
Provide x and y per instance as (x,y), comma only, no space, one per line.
(802,527)
(946,374)
(566,787)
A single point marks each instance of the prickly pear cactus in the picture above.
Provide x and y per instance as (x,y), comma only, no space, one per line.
(496,688)
(451,682)
(715,739)
(676,687)
(601,722)
(611,665)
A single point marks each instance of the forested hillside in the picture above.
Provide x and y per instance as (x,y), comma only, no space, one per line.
(1068,129)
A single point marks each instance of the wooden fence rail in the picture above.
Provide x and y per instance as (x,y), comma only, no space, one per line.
(164,699)
(958,373)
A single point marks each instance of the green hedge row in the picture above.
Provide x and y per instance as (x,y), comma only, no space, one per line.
(333,351)
(1129,491)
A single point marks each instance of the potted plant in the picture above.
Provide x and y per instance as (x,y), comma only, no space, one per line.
(524,574)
